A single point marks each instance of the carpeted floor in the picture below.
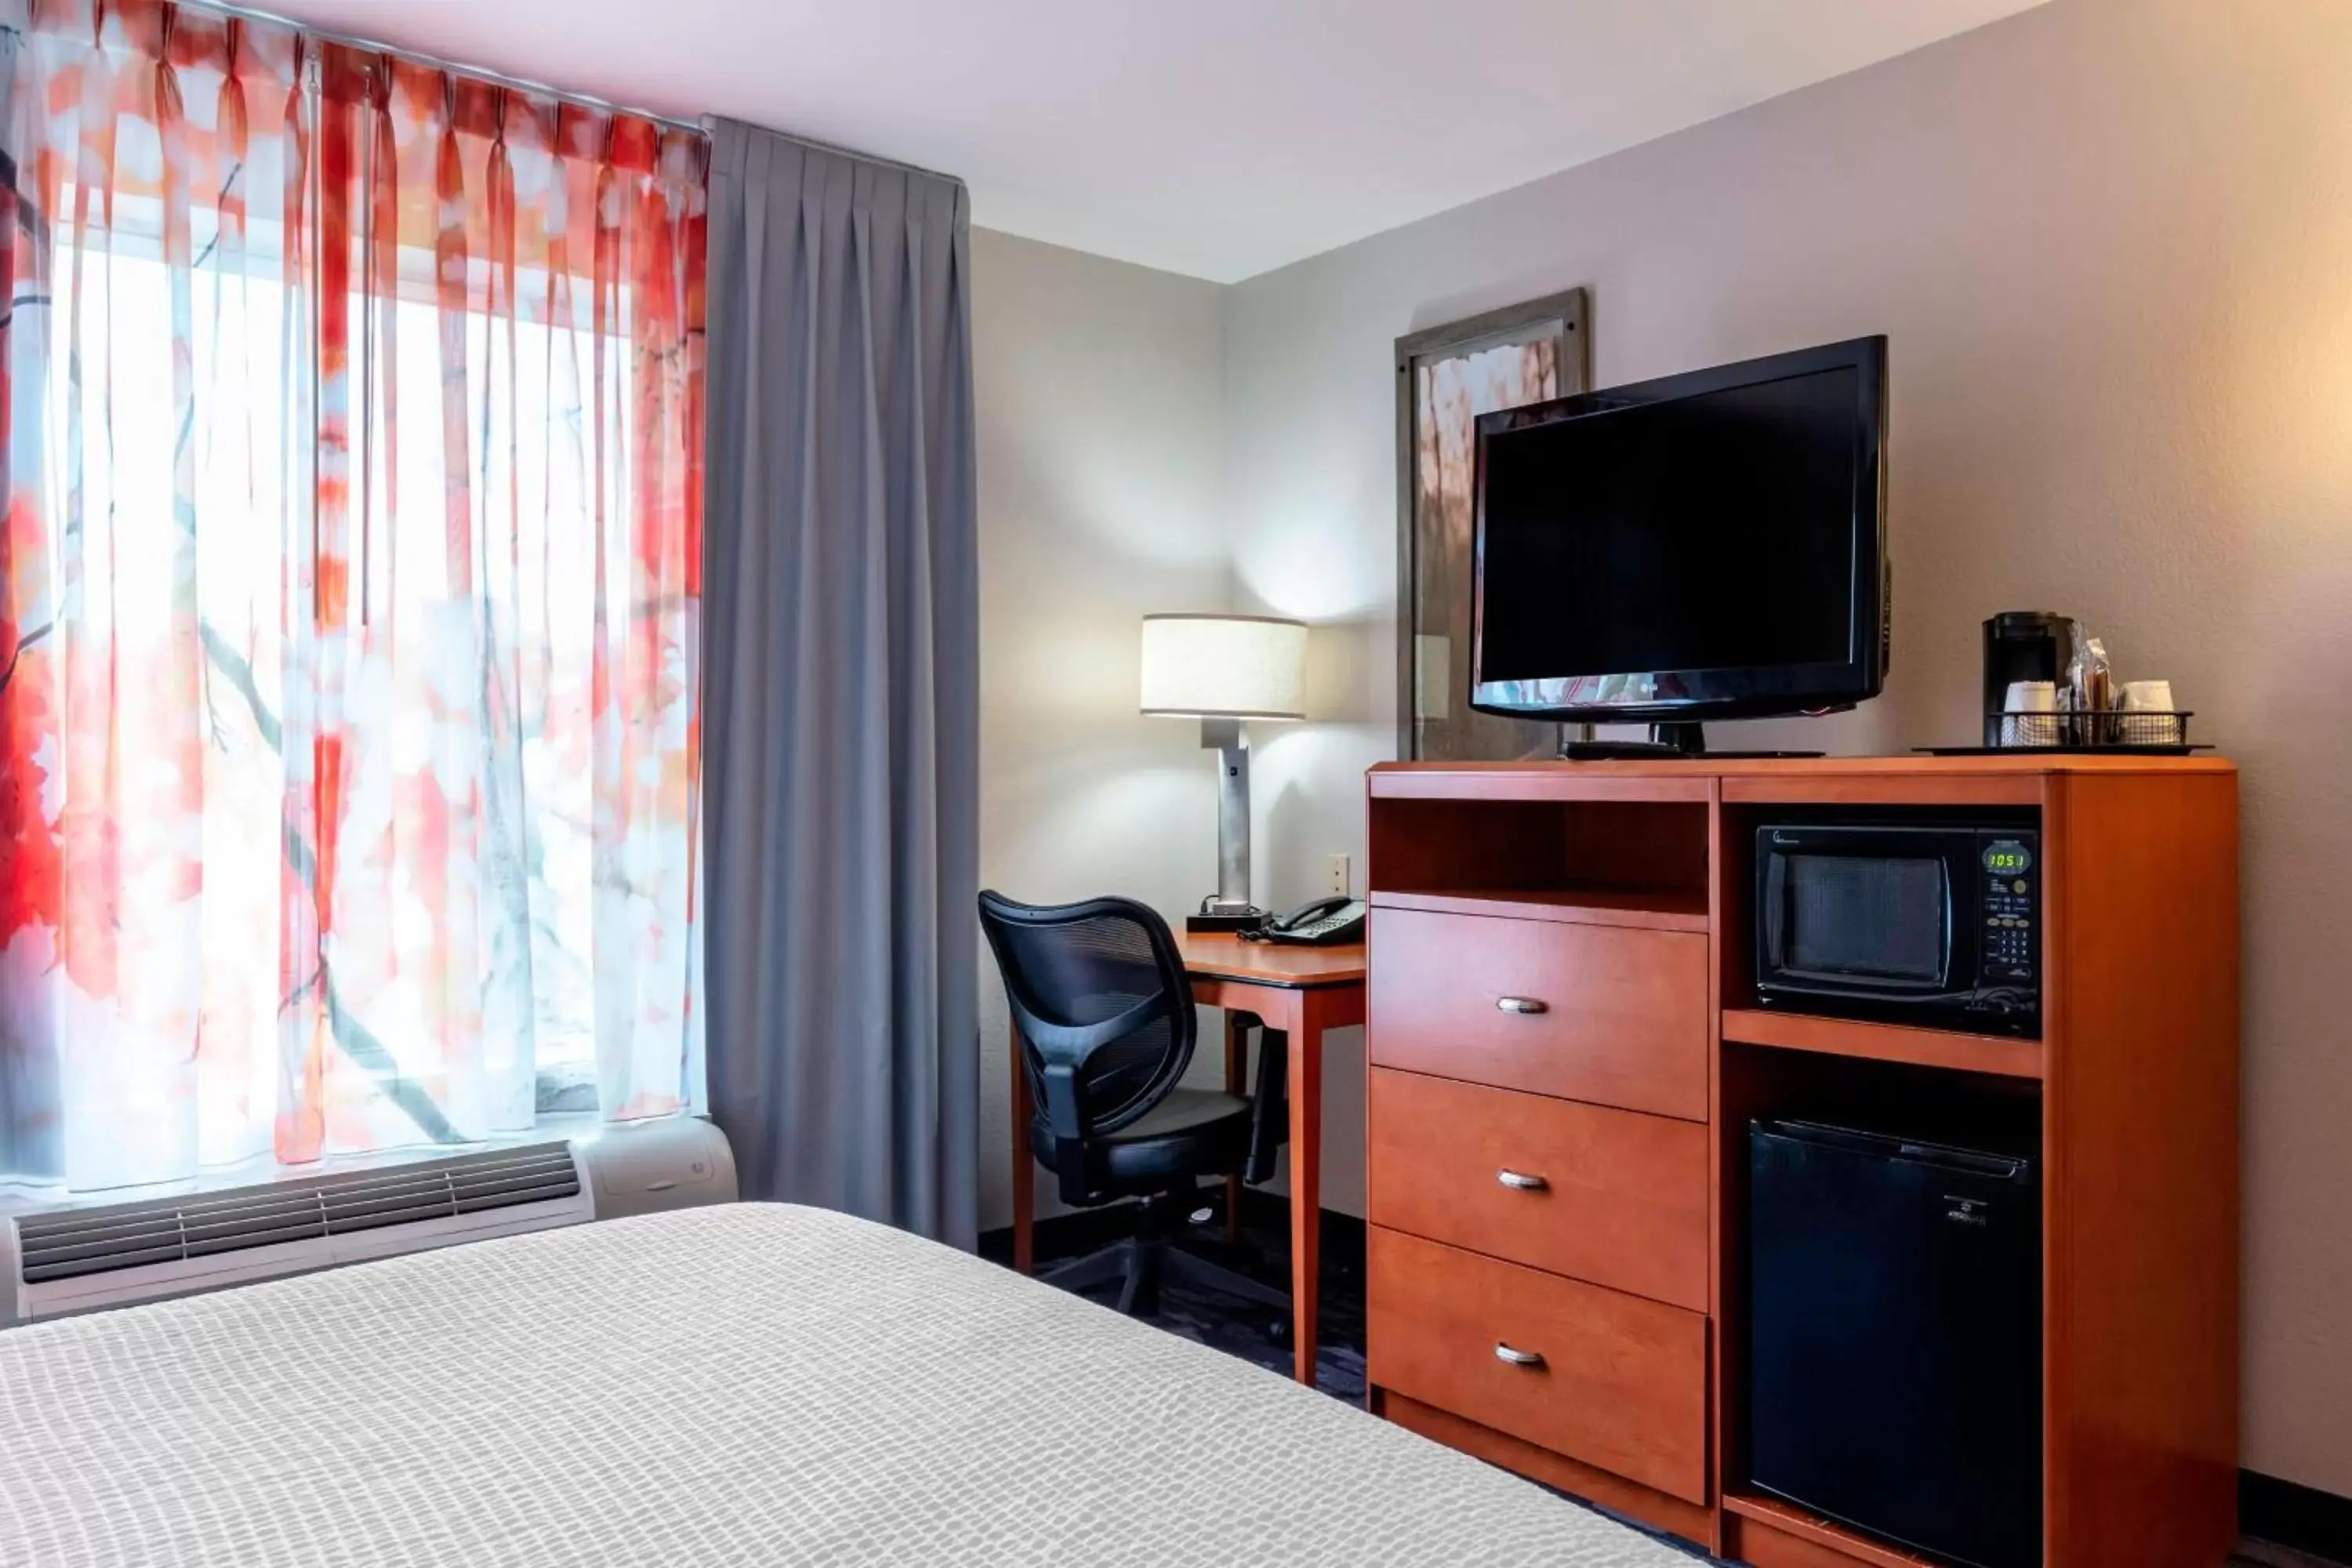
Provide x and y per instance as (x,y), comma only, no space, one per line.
(1240,1328)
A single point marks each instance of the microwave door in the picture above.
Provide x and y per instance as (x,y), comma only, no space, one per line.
(1839,913)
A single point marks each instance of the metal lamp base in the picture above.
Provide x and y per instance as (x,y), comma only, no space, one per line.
(1229,908)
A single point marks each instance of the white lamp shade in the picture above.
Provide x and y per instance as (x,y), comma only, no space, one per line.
(1224,666)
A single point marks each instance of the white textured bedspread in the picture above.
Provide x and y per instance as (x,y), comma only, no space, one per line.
(746,1385)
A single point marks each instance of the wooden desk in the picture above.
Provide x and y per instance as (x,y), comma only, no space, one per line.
(1299,991)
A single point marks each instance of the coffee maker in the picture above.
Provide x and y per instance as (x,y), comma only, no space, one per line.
(2023,645)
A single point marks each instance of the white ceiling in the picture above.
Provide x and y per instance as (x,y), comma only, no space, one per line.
(1219,138)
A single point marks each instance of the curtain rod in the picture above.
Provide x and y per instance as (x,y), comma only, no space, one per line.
(353,40)
(698,127)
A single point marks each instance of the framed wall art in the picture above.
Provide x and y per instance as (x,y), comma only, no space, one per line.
(1447,377)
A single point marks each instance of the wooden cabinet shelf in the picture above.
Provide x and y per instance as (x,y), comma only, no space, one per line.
(1619,862)
(1649,910)
(1999,1054)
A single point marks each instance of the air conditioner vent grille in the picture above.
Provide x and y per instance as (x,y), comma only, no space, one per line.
(70,1243)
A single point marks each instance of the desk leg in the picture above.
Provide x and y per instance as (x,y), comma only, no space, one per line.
(1306,1182)
(1236,1082)
(1025,1168)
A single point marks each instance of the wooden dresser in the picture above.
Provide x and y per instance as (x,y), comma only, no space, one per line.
(1566,1052)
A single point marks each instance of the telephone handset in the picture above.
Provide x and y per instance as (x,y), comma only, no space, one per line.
(1318,924)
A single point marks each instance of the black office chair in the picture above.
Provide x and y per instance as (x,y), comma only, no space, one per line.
(1106,1026)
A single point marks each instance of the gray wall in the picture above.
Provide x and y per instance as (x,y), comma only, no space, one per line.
(1099,388)
(2112,243)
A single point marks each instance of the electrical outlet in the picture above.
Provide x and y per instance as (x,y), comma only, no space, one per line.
(1340,876)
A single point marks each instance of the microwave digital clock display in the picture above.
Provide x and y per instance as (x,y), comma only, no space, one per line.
(2008,857)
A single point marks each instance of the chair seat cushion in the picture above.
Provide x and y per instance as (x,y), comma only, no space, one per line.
(1193,1132)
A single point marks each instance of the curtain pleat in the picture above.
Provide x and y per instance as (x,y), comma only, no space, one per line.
(349,772)
(843,755)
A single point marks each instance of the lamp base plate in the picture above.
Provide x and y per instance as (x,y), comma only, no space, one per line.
(1245,919)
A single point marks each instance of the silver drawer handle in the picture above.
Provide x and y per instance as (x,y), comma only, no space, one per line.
(1522,1005)
(1519,1181)
(1504,1353)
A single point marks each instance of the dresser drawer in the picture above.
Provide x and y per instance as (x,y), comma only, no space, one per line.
(1608,1015)
(1612,1197)
(1621,1383)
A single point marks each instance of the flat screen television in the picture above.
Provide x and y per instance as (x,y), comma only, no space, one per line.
(1704,547)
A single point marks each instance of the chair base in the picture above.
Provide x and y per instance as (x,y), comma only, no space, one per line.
(1142,1261)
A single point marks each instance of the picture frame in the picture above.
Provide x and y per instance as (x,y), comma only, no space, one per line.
(1446,377)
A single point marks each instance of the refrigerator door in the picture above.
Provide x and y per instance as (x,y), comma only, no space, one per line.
(1895,1338)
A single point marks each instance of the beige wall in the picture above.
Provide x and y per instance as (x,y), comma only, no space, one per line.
(1099,388)
(2112,243)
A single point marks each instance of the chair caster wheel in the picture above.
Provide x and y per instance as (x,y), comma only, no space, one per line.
(1278,1331)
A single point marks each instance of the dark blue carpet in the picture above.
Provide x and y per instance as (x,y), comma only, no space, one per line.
(1239,1328)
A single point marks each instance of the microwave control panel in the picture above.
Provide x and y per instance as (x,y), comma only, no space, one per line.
(2012,908)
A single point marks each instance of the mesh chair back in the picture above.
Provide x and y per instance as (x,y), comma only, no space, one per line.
(1100,986)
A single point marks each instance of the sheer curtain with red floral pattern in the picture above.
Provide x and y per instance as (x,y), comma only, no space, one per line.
(348,599)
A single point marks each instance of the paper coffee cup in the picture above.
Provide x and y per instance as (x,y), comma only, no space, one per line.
(2029,714)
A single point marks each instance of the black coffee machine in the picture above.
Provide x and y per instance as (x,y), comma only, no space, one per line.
(2023,645)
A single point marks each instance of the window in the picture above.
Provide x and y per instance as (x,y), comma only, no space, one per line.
(350,581)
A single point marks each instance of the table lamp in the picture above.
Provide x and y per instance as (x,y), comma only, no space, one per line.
(1224,670)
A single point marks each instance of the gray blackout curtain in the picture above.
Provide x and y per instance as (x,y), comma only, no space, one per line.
(841,704)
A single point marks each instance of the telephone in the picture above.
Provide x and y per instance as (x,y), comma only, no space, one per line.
(1318,924)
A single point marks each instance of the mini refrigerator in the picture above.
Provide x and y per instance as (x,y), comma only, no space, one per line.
(1895,1338)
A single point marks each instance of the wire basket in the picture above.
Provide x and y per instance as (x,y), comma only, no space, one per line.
(2108,730)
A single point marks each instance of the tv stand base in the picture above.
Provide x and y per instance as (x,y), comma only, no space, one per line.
(1666,742)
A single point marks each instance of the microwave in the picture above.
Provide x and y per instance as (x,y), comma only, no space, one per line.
(1933,923)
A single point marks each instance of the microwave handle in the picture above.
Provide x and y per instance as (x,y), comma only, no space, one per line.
(1775,900)
(1952,936)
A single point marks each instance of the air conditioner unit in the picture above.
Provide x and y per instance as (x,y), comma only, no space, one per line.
(80,1259)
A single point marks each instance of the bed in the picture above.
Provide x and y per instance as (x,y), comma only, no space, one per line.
(744,1384)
